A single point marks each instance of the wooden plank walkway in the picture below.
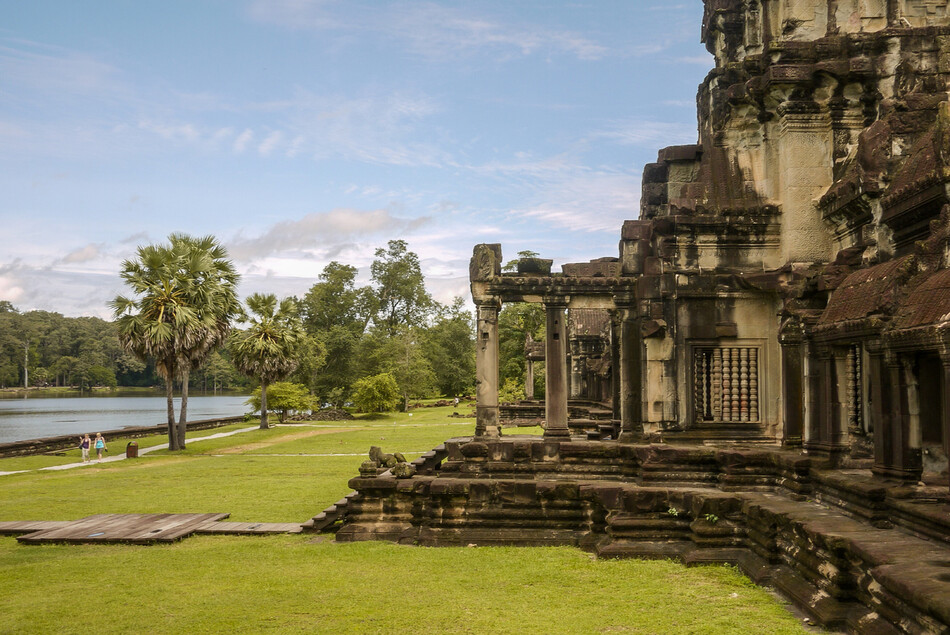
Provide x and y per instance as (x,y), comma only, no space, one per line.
(249,528)
(135,528)
(128,528)
(18,527)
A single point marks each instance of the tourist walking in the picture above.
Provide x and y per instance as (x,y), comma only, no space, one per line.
(84,444)
(100,446)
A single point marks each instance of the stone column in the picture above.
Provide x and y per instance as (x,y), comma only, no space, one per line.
(631,369)
(812,432)
(805,147)
(486,370)
(529,379)
(792,390)
(945,401)
(880,411)
(901,459)
(838,419)
(555,367)
(615,364)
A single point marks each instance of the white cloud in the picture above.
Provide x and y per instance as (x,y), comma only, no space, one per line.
(84,254)
(269,143)
(243,139)
(430,29)
(587,202)
(649,134)
(320,233)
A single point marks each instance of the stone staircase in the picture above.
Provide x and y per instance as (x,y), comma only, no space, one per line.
(720,434)
(331,518)
(855,552)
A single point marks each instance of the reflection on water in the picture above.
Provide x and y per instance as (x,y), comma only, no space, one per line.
(44,416)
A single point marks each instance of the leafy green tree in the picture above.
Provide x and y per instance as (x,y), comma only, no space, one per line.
(336,301)
(100,376)
(401,356)
(335,314)
(181,309)
(377,393)
(283,397)
(511,391)
(267,349)
(40,376)
(219,371)
(311,356)
(400,287)
(515,322)
(449,345)
(334,380)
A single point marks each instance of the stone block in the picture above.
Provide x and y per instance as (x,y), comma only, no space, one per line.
(655,173)
(680,153)
(636,230)
(538,266)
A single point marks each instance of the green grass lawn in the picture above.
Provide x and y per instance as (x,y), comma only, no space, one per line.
(307,583)
(115,445)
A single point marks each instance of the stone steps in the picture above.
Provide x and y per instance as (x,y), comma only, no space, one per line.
(845,574)
(327,519)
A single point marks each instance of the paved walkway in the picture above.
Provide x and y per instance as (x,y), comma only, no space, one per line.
(121,456)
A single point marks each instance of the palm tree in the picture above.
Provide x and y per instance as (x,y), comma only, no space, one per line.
(183,301)
(266,350)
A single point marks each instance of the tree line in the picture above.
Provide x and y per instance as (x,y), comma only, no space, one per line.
(181,324)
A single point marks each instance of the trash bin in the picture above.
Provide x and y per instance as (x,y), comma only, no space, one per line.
(132,450)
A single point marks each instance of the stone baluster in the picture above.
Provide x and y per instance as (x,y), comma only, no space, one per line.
(851,390)
(706,410)
(717,384)
(698,384)
(753,384)
(727,384)
(743,384)
(734,385)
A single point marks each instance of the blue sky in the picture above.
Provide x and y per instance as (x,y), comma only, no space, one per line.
(304,131)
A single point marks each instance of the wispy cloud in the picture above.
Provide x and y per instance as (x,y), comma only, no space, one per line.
(84,254)
(56,71)
(648,134)
(429,29)
(242,140)
(318,232)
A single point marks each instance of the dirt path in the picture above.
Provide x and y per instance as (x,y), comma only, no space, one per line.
(258,445)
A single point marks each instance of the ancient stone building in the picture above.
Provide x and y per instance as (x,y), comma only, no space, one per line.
(772,342)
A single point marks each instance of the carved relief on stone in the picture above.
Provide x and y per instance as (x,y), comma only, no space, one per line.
(924,12)
(485,263)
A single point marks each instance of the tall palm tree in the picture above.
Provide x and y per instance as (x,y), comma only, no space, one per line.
(183,301)
(267,349)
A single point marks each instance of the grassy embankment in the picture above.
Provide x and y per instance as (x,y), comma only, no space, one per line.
(310,584)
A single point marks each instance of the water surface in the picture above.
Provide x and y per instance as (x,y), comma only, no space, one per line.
(37,416)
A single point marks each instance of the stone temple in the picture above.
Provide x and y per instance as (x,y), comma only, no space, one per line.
(761,375)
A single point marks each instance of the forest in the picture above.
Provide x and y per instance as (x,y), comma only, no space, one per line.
(350,333)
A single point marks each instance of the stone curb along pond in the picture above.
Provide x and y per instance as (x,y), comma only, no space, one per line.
(68,441)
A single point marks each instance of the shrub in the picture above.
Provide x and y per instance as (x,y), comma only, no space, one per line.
(378,393)
(283,397)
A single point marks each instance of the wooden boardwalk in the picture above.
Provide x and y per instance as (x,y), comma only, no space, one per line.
(135,528)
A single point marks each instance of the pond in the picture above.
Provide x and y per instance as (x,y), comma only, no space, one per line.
(37,416)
